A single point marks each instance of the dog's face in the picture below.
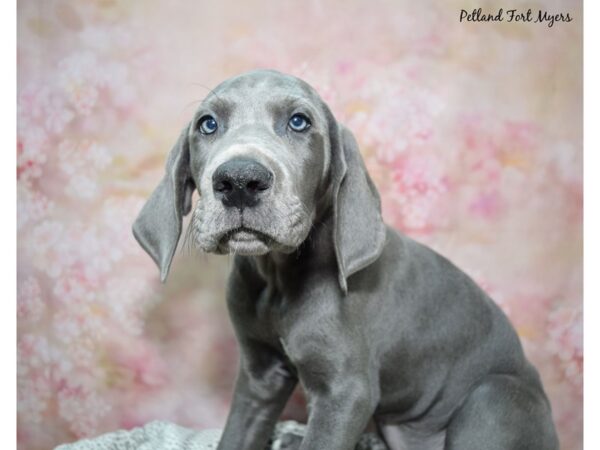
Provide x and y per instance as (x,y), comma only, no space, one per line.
(259,157)
(267,158)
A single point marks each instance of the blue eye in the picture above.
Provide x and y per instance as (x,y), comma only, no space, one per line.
(299,122)
(207,125)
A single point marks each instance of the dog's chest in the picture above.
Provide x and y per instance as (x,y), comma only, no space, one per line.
(269,315)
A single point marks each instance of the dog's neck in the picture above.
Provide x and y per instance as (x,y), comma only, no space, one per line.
(315,253)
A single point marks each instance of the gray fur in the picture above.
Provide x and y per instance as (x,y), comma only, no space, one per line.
(370,322)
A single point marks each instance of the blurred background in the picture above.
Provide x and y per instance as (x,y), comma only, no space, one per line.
(471,131)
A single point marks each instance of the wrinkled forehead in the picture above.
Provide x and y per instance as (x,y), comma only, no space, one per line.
(262,92)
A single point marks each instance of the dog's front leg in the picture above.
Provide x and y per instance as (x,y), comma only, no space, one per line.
(341,389)
(262,388)
(339,417)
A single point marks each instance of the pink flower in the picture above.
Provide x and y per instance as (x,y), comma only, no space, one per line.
(30,303)
(82,410)
(79,79)
(487,205)
(565,330)
(419,184)
(57,116)
(139,364)
(397,119)
(81,161)
(31,153)
(32,206)
(73,286)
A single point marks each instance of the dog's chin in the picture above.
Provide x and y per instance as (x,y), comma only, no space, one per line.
(245,242)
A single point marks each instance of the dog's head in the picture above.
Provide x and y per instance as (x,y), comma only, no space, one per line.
(267,157)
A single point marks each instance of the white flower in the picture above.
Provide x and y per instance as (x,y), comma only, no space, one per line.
(80,161)
(99,156)
(30,304)
(79,78)
(83,410)
(45,235)
(82,186)
(70,288)
(32,206)
(32,401)
(57,115)
(565,331)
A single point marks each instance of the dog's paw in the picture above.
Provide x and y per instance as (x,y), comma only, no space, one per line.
(288,441)
(287,436)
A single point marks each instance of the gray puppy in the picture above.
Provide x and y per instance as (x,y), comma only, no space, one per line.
(372,323)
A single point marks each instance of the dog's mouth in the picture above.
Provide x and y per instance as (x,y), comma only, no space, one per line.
(245,241)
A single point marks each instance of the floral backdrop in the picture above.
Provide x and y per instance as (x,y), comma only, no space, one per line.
(472,132)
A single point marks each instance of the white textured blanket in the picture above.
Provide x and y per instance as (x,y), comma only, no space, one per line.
(168,436)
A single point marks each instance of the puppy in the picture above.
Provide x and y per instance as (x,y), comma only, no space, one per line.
(322,292)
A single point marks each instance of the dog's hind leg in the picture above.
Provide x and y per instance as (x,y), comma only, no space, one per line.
(405,437)
(503,413)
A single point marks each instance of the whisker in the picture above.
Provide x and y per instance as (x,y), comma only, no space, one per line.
(210,92)
(193,102)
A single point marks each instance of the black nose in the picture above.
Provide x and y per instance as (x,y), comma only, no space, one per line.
(240,182)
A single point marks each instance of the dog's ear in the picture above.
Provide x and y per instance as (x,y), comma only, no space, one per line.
(359,232)
(158,225)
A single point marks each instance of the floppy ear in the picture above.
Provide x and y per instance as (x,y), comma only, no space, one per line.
(359,232)
(158,225)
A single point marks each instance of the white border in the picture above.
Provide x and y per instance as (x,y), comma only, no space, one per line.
(8,235)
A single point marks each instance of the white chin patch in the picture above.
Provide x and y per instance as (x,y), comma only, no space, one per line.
(245,243)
